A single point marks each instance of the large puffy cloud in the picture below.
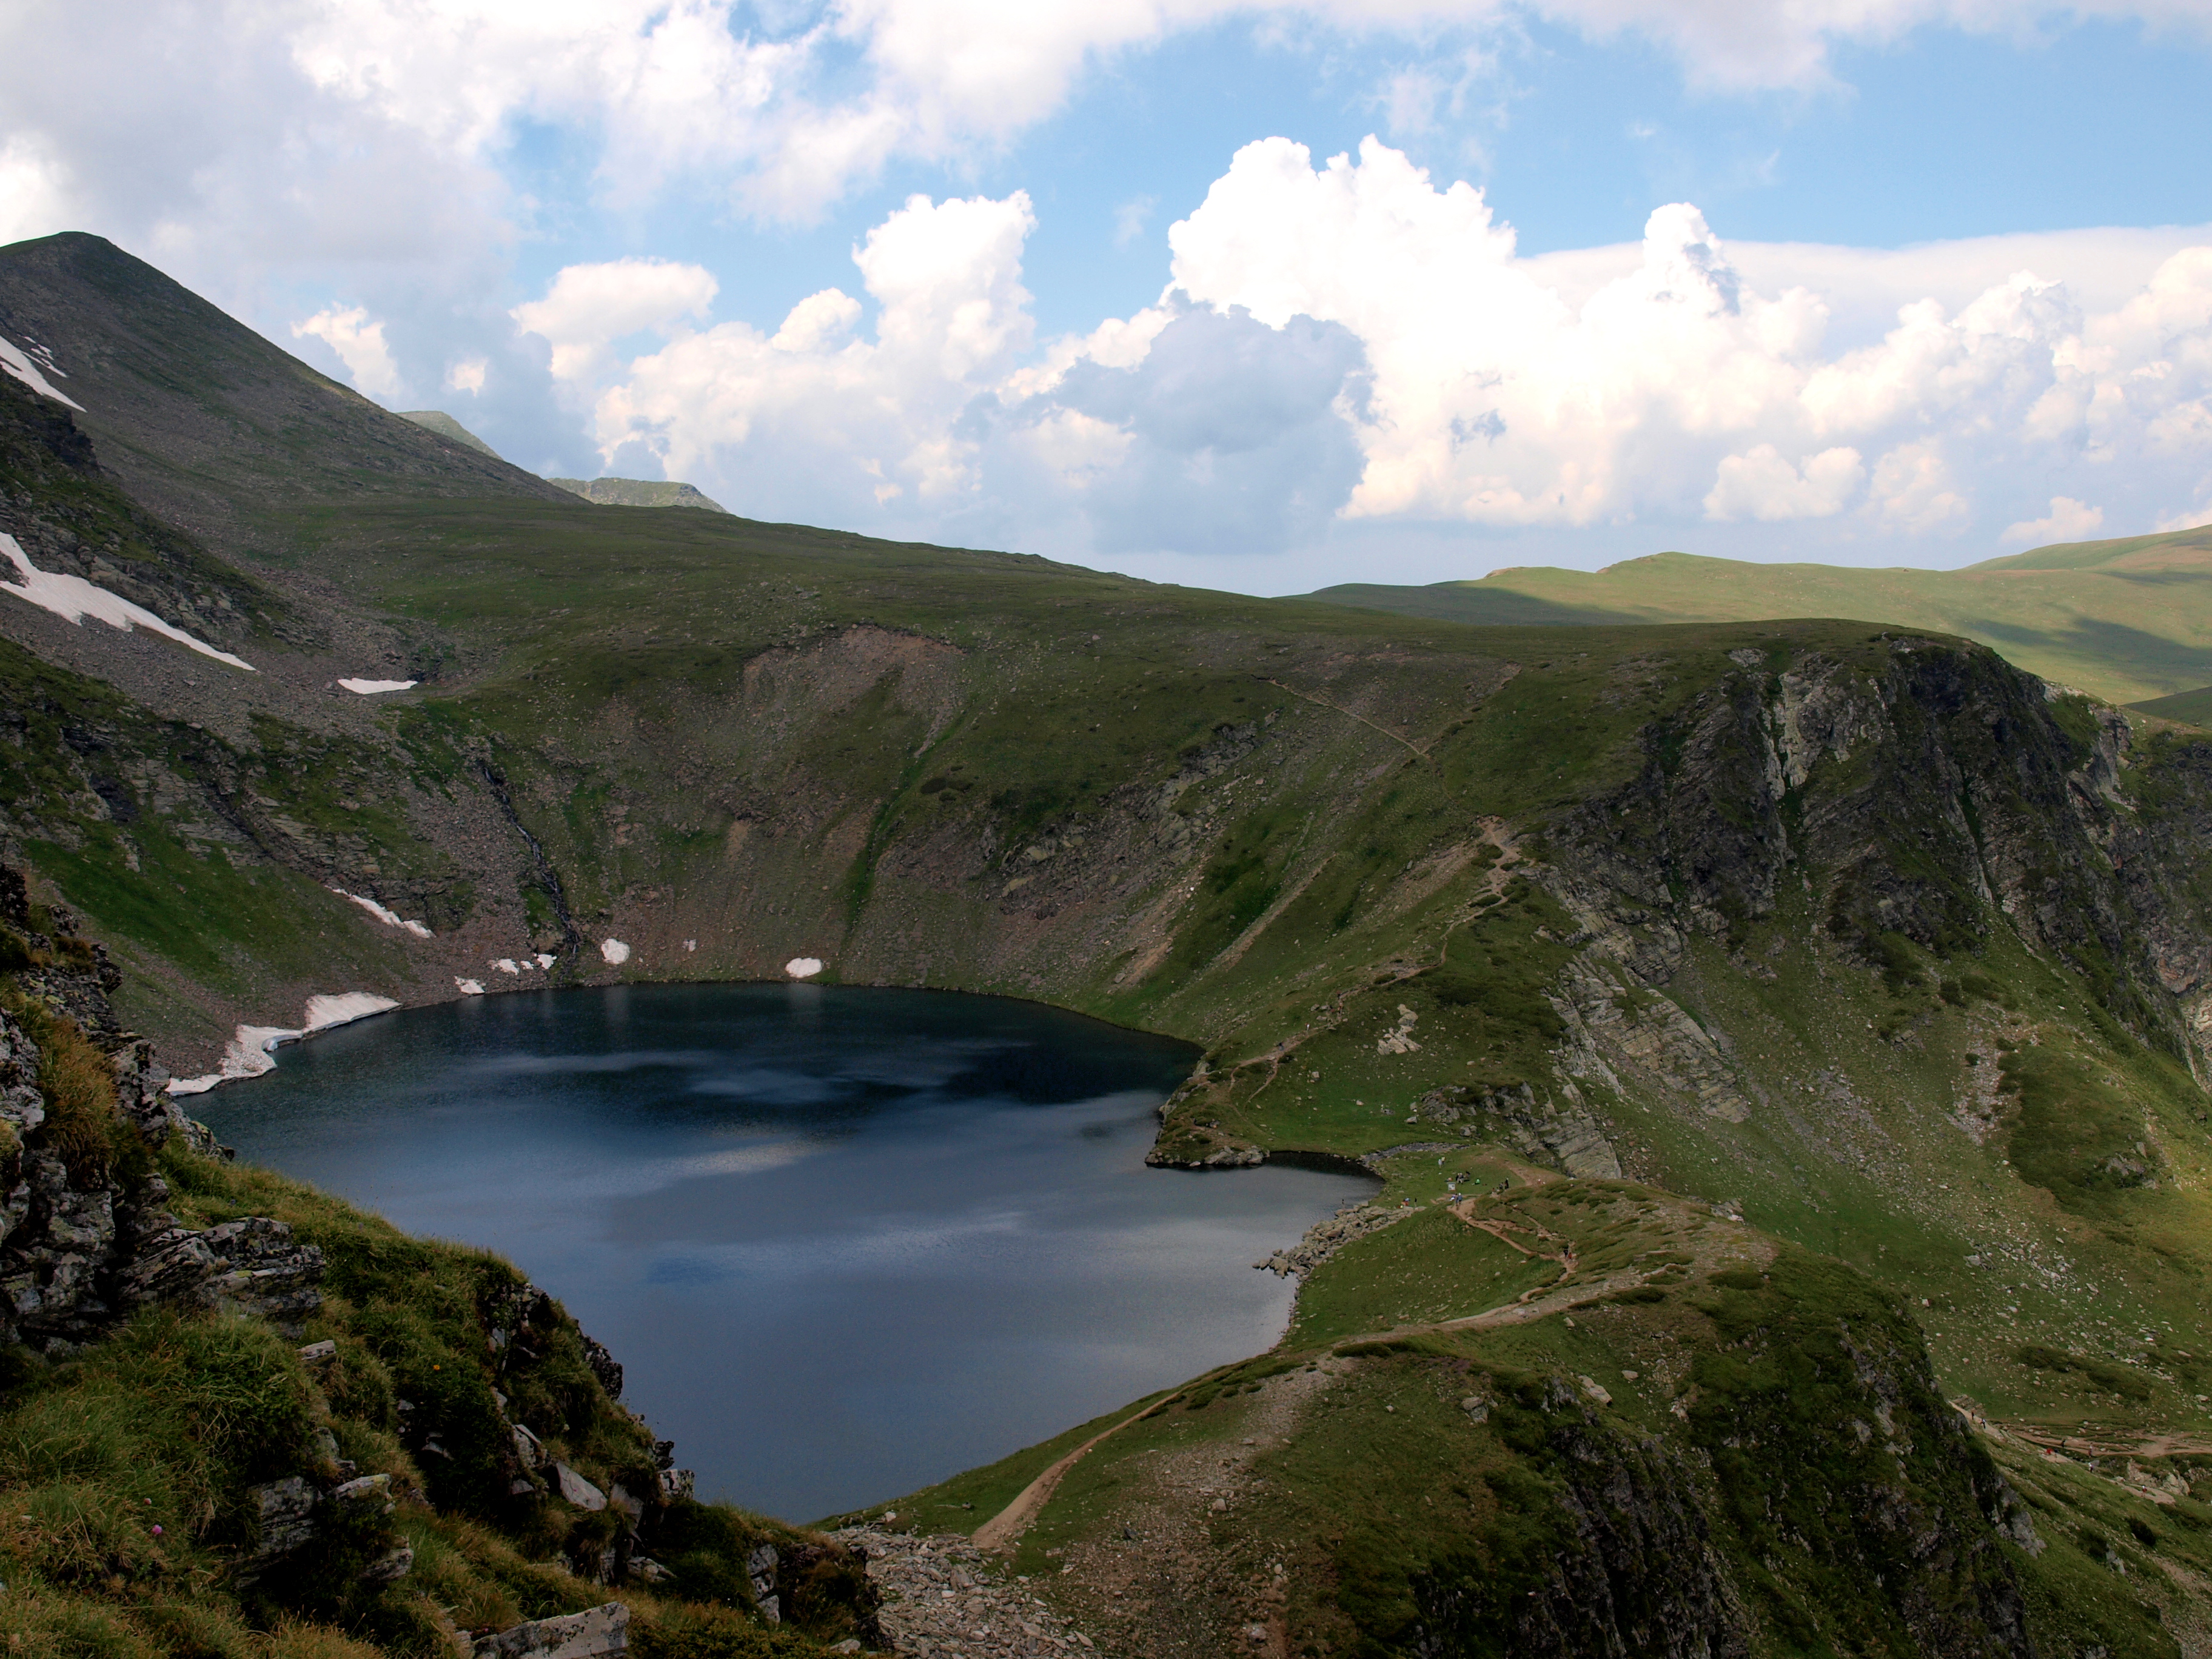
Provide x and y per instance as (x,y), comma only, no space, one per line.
(1227,436)
(590,306)
(387,116)
(2068,521)
(813,416)
(1763,485)
(1348,344)
(1497,400)
(360,345)
(1182,427)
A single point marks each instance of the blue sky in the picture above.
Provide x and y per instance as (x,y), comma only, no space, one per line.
(1100,316)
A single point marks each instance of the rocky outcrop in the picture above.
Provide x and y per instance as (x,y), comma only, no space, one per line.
(1559,1132)
(1326,1237)
(252,1265)
(1920,795)
(605,1367)
(1633,1571)
(82,1245)
(594,1633)
(41,948)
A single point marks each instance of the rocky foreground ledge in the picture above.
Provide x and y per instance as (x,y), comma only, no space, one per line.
(944,1598)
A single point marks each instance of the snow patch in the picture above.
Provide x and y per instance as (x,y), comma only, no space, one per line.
(73,599)
(690,944)
(803,967)
(248,1052)
(370,688)
(15,362)
(469,987)
(614,950)
(506,966)
(389,918)
(323,1013)
(544,961)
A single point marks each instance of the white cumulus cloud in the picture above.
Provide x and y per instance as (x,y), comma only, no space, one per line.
(1350,343)
(380,123)
(2068,521)
(817,412)
(359,343)
(590,306)
(1761,484)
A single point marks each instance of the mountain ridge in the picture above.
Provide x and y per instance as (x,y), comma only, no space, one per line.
(206,422)
(2074,613)
(638,492)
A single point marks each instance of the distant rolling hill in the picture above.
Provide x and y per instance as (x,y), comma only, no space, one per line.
(2129,620)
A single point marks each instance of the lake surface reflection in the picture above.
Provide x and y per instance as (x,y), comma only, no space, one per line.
(844,1241)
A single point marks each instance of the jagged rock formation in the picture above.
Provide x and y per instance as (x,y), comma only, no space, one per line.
(84,1238)
(1560,1136)
(1950,786)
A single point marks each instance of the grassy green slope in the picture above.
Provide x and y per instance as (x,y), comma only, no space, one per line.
(210,425)
(2189,708)
(1745,1450)
(1280,830)
(776,742)
(2128,619)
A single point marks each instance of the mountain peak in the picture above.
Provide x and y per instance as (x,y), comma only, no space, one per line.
(205,422)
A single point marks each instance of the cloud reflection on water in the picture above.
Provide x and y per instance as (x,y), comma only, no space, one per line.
(913,1230)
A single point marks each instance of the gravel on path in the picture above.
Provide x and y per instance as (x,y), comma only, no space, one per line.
(943,1598)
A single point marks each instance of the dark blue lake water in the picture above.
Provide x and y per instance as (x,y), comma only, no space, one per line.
(845,1241)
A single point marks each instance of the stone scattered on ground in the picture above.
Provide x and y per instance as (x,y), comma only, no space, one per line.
(1326,1237)
(945,1599)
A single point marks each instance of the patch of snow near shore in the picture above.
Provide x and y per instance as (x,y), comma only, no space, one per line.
(389,918)
(247,1054)
(73,599)
(803,967)
(370,688)
(469,987)
(323,1013)
(544,961)
(15,361)
(506,966)
(614,950)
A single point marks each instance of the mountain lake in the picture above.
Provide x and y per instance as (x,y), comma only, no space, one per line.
(845,1241)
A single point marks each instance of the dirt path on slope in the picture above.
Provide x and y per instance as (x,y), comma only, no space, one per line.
(1000,1531)
(1158,1587)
